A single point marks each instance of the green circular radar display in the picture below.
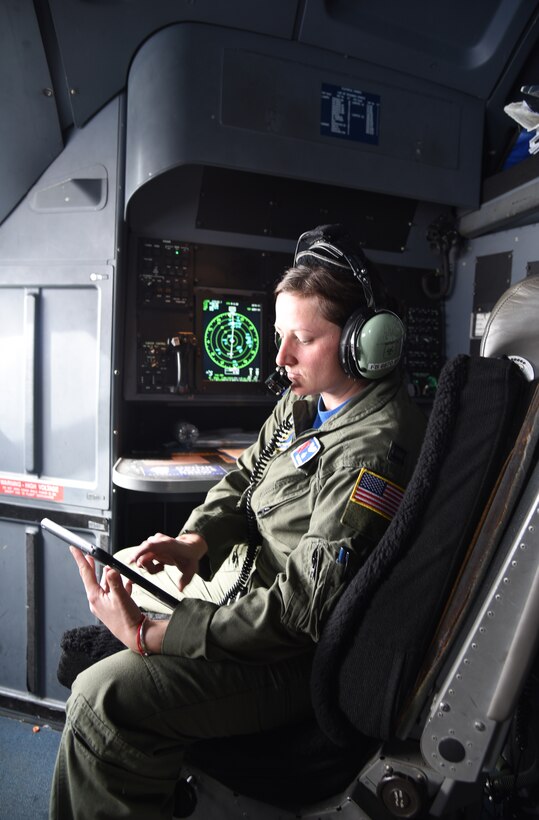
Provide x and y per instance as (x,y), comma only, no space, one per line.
(231,340)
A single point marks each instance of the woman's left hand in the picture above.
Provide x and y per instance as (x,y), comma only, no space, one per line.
(110,601)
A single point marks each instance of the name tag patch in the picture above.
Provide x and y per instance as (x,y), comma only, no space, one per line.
(305,452)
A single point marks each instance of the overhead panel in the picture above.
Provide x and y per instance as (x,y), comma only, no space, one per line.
(199,95)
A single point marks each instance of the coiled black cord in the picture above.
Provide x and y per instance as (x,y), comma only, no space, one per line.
(257,472)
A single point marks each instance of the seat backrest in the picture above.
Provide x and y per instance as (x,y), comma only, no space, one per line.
(370,653)
(512,331)
(371,650)
(476,692)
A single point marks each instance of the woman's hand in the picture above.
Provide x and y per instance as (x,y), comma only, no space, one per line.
(111,602)
(183,552)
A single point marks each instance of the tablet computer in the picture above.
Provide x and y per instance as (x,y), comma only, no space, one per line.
(106,558)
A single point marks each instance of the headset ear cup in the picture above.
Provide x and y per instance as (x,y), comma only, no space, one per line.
(371,347)
(350,332)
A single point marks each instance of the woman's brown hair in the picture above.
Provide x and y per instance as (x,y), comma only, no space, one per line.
(339,294)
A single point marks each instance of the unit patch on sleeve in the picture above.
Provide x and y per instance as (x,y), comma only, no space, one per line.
(377,494)
(372,504)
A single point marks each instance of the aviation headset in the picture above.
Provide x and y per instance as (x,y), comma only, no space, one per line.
(371,340)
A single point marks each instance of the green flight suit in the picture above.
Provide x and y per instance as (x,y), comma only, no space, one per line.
(244,667)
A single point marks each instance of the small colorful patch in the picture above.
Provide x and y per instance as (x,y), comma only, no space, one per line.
(285,444)
(305,452)
(377,494)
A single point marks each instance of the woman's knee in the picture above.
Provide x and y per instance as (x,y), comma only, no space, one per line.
(114,685)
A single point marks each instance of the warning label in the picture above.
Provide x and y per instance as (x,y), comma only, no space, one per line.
(42,490)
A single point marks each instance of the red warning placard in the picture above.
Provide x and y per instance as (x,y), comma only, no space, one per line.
(42,490)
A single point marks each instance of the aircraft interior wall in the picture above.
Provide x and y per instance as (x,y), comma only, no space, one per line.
(168,190)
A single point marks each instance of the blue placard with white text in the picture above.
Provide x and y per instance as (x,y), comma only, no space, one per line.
(348,113)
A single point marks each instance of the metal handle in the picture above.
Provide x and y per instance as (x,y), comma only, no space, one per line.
(30,319)
(33,608)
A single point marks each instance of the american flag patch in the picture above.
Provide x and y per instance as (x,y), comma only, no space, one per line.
(377,494)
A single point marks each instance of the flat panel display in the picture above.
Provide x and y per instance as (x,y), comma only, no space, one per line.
(230,333)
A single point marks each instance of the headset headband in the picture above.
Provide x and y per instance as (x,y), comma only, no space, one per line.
(341,256)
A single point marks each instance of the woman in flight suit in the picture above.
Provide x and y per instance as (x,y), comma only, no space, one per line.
(310,498)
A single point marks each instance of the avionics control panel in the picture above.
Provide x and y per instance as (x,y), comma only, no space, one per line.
(424,317)
(202,319)
(164,274)
(424,347)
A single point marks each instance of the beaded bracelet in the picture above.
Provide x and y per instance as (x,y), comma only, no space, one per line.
(141,645)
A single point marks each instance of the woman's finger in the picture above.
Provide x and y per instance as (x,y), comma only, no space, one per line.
(86,567)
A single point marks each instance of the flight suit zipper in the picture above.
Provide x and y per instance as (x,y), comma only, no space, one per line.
(263,511)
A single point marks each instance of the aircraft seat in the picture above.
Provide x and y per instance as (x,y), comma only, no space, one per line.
(420,668)
(512,328)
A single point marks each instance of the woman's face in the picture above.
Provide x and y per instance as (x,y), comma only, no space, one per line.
(309,350)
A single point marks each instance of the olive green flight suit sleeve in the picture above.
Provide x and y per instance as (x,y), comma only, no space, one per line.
(275,622)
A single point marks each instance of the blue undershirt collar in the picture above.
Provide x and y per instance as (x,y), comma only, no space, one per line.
(322,415)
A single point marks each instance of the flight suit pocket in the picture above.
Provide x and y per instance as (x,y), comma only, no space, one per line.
(100,740)
(319,584)
(283,514)
(283,492)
